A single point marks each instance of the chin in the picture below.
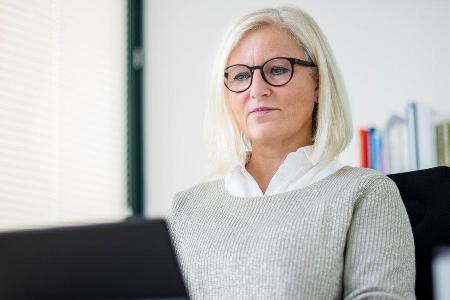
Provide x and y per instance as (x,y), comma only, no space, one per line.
(264,136)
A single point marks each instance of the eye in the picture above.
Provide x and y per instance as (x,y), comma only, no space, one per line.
(278,70)
(242,76)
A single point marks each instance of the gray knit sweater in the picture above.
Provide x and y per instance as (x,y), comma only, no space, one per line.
(346,236)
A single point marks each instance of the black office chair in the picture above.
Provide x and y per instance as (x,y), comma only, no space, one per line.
(426,195)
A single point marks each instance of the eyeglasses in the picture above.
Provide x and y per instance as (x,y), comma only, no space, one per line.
(277,71)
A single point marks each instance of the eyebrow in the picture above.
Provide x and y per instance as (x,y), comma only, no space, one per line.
(303,56)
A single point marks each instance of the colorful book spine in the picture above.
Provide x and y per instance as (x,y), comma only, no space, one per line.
(376,159)
(364,147)
(407,144)
(411,117)
(443,144)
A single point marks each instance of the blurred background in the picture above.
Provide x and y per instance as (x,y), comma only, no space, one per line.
(102,101)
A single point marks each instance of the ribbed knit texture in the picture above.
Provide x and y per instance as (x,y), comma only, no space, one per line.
(346,236)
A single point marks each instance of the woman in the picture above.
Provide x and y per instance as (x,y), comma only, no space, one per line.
(287,220)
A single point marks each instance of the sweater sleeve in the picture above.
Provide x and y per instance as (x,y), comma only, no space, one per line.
(379,256)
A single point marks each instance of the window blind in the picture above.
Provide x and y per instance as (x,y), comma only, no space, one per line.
(62,112)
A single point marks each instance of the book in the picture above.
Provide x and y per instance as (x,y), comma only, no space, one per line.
(443,144)
(420,140)
(375,146)
(412,137)
(425,137)
(395,150)
(422,135)
(364,148)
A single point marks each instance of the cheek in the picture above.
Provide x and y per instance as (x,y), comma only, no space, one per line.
(237,103)
(301,100)
(300,104)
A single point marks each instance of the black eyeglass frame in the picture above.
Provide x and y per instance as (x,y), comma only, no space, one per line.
(292,60)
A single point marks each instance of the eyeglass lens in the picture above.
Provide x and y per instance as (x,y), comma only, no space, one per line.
(276,72)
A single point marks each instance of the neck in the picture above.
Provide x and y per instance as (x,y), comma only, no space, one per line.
(265,160)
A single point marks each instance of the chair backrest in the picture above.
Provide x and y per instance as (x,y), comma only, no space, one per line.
(426,195)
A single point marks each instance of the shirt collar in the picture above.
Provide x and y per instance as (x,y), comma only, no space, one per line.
(301,156)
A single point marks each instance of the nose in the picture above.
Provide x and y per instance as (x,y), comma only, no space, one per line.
(259,86)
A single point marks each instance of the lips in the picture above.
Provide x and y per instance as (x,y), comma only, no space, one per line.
(261,111)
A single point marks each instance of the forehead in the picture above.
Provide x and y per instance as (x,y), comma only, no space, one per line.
(262,44)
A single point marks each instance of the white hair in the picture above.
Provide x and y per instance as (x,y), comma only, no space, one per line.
(332,125)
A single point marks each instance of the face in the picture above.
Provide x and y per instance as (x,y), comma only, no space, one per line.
(268,114)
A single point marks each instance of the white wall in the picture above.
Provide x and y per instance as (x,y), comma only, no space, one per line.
(389,52)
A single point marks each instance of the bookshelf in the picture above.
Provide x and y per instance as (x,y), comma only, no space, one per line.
(418,139)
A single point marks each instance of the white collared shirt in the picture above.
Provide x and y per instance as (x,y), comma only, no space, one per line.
(296,172)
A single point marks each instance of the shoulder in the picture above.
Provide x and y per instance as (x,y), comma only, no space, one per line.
(360,173)
(362,177)
(191,196)
(359,182)
(200,189)
(373,189)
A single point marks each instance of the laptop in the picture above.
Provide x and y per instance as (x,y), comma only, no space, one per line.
(130,260)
